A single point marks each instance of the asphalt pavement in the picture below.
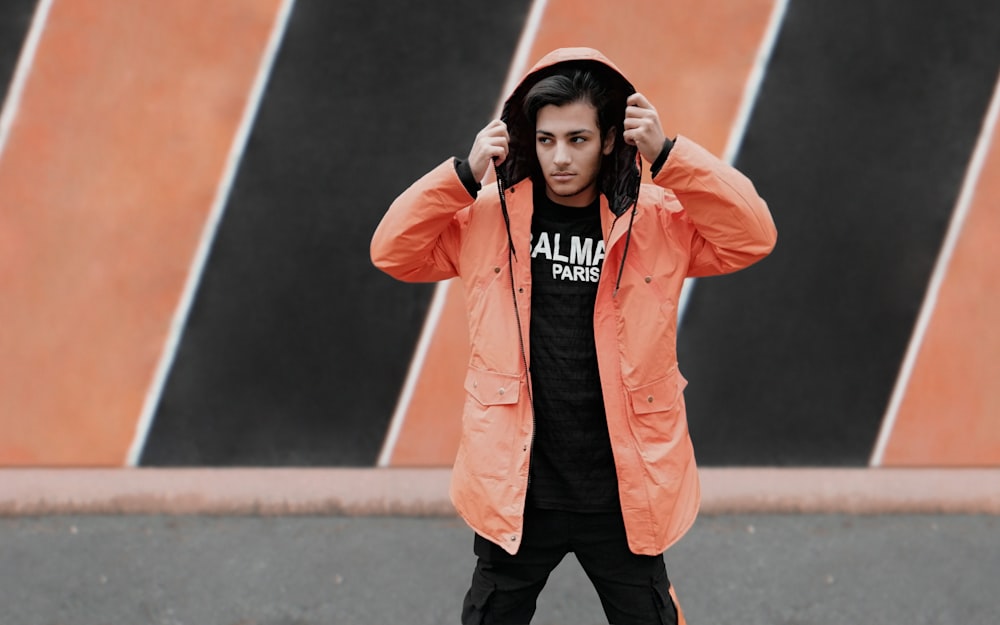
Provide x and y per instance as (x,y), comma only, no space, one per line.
(742,569)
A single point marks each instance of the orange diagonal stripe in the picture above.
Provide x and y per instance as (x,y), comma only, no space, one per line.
(949,414)
(113,161)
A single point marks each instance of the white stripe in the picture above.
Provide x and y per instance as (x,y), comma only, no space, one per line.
(929,305)
(752,88)
(24,64)
(750,92)
(519,64)
(413,375)
(236,150)
(517,67)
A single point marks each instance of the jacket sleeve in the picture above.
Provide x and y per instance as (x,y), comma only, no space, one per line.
(733,227)
(418,237)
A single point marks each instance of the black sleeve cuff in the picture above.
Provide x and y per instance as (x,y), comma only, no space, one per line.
(464,172)
(668,143)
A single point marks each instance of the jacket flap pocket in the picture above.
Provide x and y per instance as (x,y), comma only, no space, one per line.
(491,388)
(659,395)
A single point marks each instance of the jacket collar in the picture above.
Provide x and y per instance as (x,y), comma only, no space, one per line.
(521,204)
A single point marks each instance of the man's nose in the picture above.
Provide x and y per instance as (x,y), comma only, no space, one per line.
(561,156)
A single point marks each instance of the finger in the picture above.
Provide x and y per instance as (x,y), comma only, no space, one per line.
(635,112)
(493,128)
(497,150)
(632,122)
(636,124)
(497,143)
(498,154)
(498,132)
(639,100)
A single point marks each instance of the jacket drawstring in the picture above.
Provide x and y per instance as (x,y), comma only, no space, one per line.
(511,257)
(628,237)
(506,215)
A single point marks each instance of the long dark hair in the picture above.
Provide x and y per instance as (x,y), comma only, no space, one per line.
(577,85)
(563,84)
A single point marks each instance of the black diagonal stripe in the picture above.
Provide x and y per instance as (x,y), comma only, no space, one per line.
(859,141)
(296,347)
(15,21)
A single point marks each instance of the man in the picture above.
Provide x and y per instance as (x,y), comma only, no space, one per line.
(574,433)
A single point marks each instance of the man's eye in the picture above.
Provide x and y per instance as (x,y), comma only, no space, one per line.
(544,140)
(578,139)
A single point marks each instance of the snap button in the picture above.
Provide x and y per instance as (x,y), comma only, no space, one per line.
(501,391)
(475,384)
(650,399)
(496,270)
(513,538)
(649,279)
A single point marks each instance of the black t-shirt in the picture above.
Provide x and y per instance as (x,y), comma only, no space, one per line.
(572,467)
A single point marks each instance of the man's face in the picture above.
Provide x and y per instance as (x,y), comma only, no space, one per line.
(569,147)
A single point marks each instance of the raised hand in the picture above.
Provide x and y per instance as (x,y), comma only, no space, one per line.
(642,127)
(492,142)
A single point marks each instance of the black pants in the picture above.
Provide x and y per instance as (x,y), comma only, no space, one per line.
(634,589)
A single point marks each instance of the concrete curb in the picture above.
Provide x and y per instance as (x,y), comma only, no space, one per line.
(424,492)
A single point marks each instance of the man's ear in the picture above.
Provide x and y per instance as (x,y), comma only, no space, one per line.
(609,141)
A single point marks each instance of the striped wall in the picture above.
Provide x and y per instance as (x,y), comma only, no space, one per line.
(117,132)
(187,191)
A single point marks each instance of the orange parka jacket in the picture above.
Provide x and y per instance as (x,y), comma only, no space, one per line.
(701,217)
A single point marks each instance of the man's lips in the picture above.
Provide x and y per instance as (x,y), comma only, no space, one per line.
(562,175)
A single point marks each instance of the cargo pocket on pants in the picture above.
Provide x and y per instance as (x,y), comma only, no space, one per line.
(664,602)
(477,601)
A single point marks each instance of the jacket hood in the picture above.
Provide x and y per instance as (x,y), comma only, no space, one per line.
(620,176)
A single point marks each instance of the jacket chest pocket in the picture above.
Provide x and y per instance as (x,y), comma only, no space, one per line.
(490,422)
